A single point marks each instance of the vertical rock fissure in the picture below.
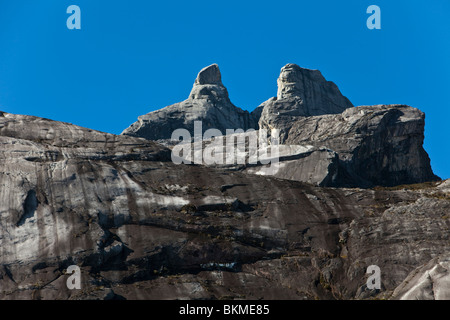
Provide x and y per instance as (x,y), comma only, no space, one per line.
(29,207)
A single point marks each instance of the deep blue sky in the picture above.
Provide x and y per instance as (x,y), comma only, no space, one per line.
(132,57)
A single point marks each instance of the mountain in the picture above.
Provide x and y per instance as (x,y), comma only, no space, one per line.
(354,188)
(208,102)
(324,139)
(141,227)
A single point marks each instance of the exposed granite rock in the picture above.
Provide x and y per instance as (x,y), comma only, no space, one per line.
(428,282)
(318,166)
(319,96)
(444,186)
(208,102)
(377,145)
(39,140)
(399,230)
(301,92)
(354,146)
(307,163)
(364,147)
(141,227)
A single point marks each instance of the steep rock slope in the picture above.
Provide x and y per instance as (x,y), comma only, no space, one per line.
(346,146)
(428,282)
(142,227)
(377,145)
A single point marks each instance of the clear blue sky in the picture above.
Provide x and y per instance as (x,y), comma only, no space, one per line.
(132,57)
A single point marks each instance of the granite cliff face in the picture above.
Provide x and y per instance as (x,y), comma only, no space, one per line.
(428,282)
(375,145)
(325,140)
(141,227)
(301,93)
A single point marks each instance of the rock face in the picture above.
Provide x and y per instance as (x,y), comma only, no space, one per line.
(208,102)
(318,95)
(307,163)
(361,146)
(319,166)
(377,145)
(141,227)
(429,282)
(301,92)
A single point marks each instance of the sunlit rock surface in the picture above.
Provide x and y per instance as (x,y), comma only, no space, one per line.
(429,282)
(141,227)
(363,146)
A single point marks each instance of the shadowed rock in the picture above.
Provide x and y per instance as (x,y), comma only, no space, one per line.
(141,227)
(376,145)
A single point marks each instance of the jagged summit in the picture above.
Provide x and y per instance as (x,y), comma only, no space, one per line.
(208,102)
(290,81)
(146,228)
(139,226)
(364,146)
(208,85)
(301,93)
(209,75)
(304,92)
